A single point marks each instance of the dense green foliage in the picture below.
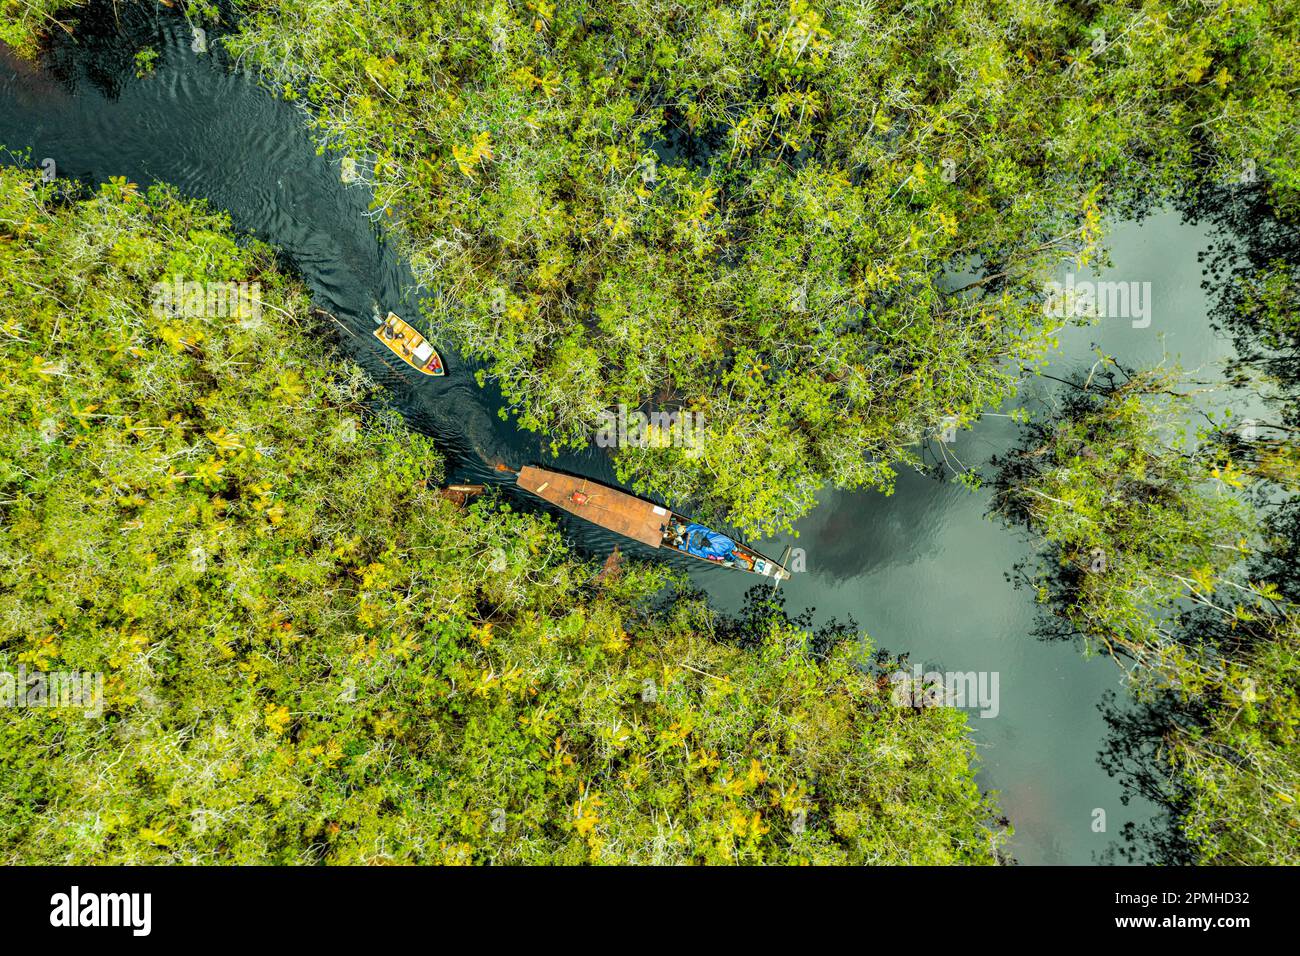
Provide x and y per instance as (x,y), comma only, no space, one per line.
(750,209)
(1240,760)
(24,22)
(309,655)
(1149,539)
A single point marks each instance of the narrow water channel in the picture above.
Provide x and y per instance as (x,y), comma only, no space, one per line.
(924,571)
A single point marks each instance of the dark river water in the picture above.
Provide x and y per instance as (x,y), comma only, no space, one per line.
(923,571)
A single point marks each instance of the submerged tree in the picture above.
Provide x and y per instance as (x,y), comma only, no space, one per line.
(1150,551)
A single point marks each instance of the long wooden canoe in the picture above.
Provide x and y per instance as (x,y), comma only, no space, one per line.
(641,520)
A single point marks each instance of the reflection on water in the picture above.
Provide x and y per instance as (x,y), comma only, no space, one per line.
(846,537)
(923,571)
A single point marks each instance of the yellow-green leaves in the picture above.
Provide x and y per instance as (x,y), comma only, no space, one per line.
(471,155)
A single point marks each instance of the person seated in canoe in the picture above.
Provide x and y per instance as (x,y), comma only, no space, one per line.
(709,544)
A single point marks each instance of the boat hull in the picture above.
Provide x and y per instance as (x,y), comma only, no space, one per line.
(396,335)
(610,508)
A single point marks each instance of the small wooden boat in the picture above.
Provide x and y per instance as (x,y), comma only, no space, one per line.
(409,345)
(460,494)
(644,521)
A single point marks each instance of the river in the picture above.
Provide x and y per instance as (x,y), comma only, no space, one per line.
(923,571)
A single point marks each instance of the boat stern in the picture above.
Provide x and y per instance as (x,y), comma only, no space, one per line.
(770,569)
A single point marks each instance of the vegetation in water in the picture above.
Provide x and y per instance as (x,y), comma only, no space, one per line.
(1156,550)
(308,655)
(145,61)
(1136,519)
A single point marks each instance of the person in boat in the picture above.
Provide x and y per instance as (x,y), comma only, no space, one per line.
(709,544)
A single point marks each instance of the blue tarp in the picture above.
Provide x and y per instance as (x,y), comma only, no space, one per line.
(702,542)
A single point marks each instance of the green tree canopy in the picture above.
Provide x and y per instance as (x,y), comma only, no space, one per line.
(310,656)
(754,210)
